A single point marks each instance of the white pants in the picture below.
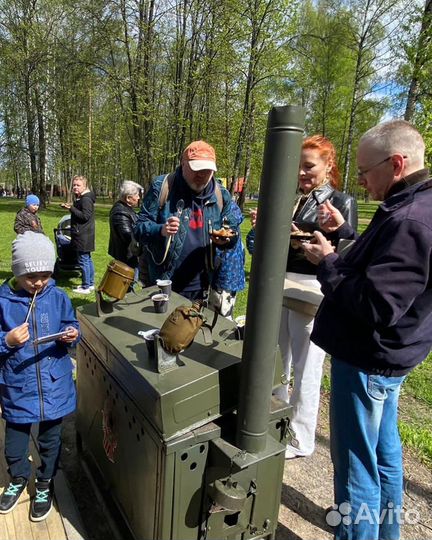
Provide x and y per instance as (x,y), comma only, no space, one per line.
(306,360)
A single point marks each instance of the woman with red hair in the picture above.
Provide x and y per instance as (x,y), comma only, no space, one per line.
(318,181)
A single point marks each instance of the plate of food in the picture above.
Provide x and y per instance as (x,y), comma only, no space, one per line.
(222,234)
(302,236)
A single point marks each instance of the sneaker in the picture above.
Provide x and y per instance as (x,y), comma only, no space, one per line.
(91,288)
(291,454)
(11,494)
(42,503)
(81,290)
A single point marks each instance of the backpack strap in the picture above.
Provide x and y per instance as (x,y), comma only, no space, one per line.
(166,187)
(218,193)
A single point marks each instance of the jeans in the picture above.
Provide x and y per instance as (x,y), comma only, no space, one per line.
(87,269)
(366,453)
(17,438)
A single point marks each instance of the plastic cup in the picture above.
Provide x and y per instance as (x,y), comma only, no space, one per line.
(160,302)
(164,286)
(149,337)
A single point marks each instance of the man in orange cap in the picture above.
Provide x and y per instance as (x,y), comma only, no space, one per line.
(178,215)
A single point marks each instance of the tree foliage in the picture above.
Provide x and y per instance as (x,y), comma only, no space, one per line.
(115,89)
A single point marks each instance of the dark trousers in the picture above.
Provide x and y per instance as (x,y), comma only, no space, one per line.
(17,437)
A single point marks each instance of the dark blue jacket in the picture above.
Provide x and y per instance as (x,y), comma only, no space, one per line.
(377,308)
(36,380)
(151,219)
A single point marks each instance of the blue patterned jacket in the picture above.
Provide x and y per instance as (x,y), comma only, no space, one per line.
(229,273)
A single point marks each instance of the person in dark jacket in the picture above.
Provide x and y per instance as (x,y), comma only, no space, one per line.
(318,180)
(27,218)
(83,231)
(177,217)
(122,220)
(376,322)
(36,384)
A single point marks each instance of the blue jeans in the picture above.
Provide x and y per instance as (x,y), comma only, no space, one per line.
(366,453)
(87,269)
(17,437)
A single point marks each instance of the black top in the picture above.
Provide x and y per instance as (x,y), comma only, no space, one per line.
(306,219)
(83,223)
(122,219)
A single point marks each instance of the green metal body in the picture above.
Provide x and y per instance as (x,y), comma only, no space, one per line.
(160,441)
(178,460)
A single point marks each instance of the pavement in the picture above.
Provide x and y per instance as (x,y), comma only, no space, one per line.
(307,492)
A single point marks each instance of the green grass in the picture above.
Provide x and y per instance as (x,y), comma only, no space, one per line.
(416,396)
(50,218)
(419,439)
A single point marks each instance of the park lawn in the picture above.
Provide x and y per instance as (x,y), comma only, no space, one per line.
(50,217)
(416,396)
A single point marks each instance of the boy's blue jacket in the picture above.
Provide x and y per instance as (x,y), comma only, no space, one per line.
(36,380)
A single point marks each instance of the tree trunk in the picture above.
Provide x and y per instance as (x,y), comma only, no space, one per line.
(421,57)
(31,135)
(42,148)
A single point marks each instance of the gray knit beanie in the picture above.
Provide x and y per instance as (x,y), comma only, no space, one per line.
(32,252)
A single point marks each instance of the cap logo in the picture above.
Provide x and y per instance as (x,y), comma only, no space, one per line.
(36,266)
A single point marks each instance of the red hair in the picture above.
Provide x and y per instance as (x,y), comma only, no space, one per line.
(327,152)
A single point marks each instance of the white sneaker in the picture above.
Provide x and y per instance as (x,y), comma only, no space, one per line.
(81,290)
(91,288)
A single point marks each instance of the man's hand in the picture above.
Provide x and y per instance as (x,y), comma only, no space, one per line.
(66,205)
(71,336)
(171,227)
(18,335)
(316,251)
(329,217)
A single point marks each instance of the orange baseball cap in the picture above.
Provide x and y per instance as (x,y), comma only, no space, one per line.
(200,155)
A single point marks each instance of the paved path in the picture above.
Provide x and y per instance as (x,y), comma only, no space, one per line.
(307,491)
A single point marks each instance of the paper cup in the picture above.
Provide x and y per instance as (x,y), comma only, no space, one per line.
(160,302)
(164,286)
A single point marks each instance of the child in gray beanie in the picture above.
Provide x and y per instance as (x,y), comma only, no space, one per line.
(27,218)
(32,253)
(36,384)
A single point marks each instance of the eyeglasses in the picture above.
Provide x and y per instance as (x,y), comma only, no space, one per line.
(362,173)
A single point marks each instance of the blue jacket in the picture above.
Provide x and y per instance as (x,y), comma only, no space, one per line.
(229,272)
(151,218)
(36,380)
(377,308)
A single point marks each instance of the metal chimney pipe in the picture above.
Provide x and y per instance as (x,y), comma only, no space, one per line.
(276,201)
